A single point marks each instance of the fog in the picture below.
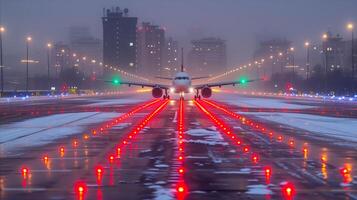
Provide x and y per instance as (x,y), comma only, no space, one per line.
(240,22)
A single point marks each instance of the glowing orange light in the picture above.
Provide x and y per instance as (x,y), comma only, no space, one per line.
(94,132)
(85,136)
(45,158)
(323,159)
(344,171)
(180,158)
(62,149)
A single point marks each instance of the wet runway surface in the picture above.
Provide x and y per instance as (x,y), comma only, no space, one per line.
(132,147)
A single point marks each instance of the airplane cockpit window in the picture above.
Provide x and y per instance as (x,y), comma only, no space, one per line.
(181,78)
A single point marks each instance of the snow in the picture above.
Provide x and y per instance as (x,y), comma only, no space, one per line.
(207,137)
(162,193)
(241,171)
(251,102)
(258,190)
(119,101)
(342,128)
(44,130)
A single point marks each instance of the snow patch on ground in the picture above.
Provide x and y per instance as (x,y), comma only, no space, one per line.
(241,171)
(342,128)
(258,190)
(162,193)
(44,130)
(208,137)
(109,102)
(252,102)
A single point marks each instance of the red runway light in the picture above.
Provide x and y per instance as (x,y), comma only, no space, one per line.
(291,142)
(25,171)
(111,158)
(181,170)
(94,132)
(180,158)
(75,143)
(267,171)
(280,138)
(80,187)
(239,142)
(255,158)
(62,149)
(99,170)
(246,149)
(344,171)
(288,190)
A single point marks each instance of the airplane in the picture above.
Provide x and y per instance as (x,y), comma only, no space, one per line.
(182,83)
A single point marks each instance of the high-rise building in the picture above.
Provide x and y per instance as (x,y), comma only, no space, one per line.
(276,54)
(207,56)
(85,45)
(62,57)
(333,48)
(119,40)
(171,57)
(151,44)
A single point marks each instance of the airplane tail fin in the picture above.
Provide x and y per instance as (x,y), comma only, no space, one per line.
(181,59)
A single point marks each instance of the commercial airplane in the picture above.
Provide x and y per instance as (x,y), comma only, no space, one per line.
(182,83)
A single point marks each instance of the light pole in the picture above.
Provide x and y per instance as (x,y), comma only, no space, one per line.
(28,40)
(281,63)
(292,49)
(49,46)
(307,45)
(272,65)
(2,29)
(325,49)
(350,27)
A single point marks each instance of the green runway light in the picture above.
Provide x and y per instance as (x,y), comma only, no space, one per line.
(116,80)
(243,80)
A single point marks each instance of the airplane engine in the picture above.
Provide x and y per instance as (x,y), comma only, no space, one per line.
(157,92)
(206,92)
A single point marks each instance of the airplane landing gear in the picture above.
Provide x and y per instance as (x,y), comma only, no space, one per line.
(197,96)
(166,95)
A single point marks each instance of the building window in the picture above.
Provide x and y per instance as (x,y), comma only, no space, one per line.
(131,44)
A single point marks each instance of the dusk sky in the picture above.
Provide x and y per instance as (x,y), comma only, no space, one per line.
(240,22)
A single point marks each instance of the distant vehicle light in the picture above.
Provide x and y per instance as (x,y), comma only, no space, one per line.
(172,90)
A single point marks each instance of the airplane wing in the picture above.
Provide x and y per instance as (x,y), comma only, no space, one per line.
(129,83)
(200,77)
(164,78)
(219,84)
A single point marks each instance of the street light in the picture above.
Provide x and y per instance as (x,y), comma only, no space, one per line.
(49,46)
(28,40)
(2,29)
(350,28)
(307,45)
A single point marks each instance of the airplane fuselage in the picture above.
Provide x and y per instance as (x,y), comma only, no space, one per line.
(181,83)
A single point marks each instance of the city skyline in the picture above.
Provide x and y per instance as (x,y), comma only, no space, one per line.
(243,35)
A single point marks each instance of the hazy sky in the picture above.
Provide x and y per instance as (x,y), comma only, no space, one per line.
(239,22)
